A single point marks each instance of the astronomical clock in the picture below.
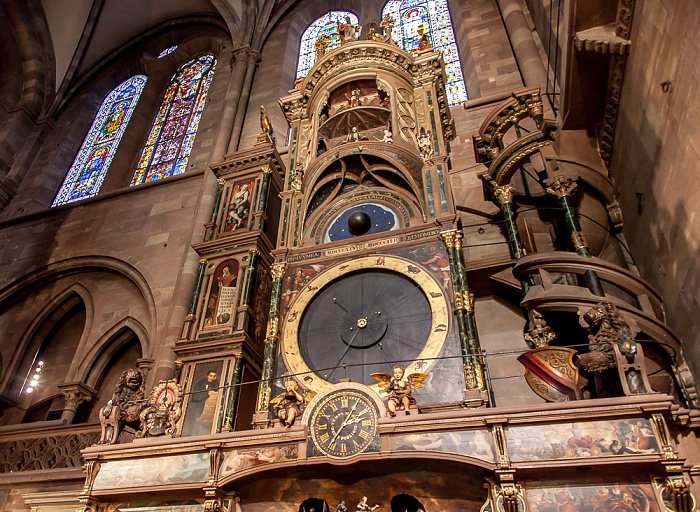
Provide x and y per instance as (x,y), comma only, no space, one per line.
(368,270)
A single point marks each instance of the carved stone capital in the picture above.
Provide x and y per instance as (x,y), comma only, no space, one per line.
(562,187)
(277,270)
(75,393)
(678,491)
(504,194)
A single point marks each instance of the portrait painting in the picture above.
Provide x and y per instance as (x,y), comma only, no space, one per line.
(237,213)
(608,438)
(222,294)
(614,497)
(203,399)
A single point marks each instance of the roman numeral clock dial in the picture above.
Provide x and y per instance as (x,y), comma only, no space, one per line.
(343,424)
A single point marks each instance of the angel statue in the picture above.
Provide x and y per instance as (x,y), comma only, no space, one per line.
(265,124)
(290,402)
(399,388)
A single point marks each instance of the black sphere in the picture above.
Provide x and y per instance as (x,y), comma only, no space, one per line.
(359,223)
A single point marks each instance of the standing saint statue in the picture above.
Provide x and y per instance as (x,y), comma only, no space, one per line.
(348,32)
(265,124)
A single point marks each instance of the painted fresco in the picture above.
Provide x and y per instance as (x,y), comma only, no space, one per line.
(238,209)
(156,508)
(173,469)
(622,497)
(580,440)
(472,443)
(238,460)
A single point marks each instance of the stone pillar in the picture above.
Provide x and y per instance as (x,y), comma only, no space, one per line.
(563,188)
(250,277)
(232,402)
(252,59)
(239,65)
(520,35)
(189,320)
(262,414)
(74,394)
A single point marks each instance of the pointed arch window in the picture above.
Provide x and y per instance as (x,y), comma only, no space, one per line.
(412,19)
(92,162)
(326,25)
(172,135)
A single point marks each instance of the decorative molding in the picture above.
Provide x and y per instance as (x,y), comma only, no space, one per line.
(52,452)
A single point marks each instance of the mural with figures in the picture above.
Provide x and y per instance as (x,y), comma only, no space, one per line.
(173,469)
(581,440)
(472,443)
(238,460)
(617,497)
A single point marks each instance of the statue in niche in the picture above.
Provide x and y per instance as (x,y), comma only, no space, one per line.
(354,135)
(608,335)
(348,32)
(297,178)
(398,388)
(353,98)
(426,150)
(124,408)
(163,411)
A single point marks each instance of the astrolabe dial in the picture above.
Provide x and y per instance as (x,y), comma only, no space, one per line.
(364,316)
(343,424)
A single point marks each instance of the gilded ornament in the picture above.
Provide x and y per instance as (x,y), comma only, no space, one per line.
(679,493)
(504,194)
(277,270)
(398,389)
(562,187)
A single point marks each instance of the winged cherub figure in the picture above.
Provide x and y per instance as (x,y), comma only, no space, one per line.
(399,388)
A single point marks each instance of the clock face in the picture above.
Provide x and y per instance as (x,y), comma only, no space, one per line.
(364,316)
(343,424)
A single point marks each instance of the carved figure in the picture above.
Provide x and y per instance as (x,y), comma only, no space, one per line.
(372,34)
(353,98)
(297,178)
(399,389)
(265,124)
(362,506)
(348,32)
(320,45)
(163,410)
(388,137)
(388,24)
(607,327)
(124,408)
(289,407)
(426,150)
(341,507)
(354,135)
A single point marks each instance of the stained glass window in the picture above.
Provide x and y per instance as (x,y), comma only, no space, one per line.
(167,51)
(326,25)
(415,18)
(90,166)
(170,142)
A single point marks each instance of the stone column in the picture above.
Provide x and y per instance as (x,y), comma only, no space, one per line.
(252,59)
(563,188)
(74,394)
(261,418)
(189,320)
(520,35)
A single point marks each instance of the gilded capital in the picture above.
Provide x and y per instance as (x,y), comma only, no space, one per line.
(221,181)
(504,194)
(278,270)
(562,187)
(202,261)
(452,239)
(267,169)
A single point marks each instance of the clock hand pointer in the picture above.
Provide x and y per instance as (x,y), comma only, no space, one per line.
(344,353)
(345,423)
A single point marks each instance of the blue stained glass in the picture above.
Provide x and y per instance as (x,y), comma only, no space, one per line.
(326,25)
(92,162)
(172,135)
(432,18)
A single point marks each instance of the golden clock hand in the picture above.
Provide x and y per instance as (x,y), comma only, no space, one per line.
(345,423)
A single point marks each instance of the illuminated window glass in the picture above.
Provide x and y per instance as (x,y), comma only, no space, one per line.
(167,51)
(90,166)
(416,17)
(170,142)
(326,25)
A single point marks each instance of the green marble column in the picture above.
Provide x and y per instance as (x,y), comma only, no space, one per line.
(563,188)
(504,194)
(232,403)
(464,312)
(271,340)
(250,277)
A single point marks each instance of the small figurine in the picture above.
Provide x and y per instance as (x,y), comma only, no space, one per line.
(388,24)
(265,124)
(388,137)
(297,178)
(372,33)
(320,46)
(426,150)
(354,135)
(348,32)
(362,506)
(399,388)
(353,98)
(341,507)
(288,404)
